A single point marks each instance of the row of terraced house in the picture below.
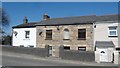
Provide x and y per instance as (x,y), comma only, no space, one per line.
(82,33)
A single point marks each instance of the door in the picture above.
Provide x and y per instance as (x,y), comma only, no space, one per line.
(50,50)
(103,55)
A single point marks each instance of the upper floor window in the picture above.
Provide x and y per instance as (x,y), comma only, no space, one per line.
(15,32)
(48,34)
(66,34)
(81,34)
(112,32)
(27,34)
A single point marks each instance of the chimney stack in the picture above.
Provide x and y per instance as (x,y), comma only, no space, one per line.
(25,20)
(46,17)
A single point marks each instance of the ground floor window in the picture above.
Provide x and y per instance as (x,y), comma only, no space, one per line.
(82,48)
(31,45)
(21,45)
(66,47)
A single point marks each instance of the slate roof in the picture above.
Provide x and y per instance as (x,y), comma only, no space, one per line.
(107,17)
(27,25)
(104,44)
(70,21)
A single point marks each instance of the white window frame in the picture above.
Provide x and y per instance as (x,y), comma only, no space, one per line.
(112,30)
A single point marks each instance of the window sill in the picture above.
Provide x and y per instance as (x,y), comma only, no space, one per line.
(66,39)
(26,39)
(112,36)
(82,50)
(81,39)
(48,39)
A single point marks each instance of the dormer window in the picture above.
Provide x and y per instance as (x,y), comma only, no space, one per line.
(112,32)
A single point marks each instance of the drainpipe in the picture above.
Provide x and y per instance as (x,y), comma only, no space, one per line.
(118,34)
(119,39)
(93,36)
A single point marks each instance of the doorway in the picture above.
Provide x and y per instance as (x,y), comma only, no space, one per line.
(50,50)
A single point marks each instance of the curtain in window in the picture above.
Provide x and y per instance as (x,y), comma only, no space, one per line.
(66,34)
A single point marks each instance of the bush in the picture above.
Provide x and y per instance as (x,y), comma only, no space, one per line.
(6,40)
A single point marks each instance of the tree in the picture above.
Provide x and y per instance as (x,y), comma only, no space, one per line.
(4,20)
(6,40)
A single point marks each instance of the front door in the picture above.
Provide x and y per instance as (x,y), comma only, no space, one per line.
(103,55)
(50,50)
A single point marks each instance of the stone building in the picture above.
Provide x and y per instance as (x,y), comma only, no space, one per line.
(74,33)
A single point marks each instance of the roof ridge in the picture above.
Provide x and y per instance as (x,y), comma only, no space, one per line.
(73,17)
(108,15)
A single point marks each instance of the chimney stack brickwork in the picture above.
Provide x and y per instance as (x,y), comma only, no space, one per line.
(46,17)
(25,20)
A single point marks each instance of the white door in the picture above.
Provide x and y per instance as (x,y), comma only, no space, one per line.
(103,55)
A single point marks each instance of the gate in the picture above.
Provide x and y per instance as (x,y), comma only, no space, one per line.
(50,50)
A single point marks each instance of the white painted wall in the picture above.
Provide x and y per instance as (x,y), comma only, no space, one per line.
(101,33)
(119,34)
(20,38)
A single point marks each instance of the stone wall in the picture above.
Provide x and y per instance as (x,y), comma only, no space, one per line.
(77,55)
(41,52)
(58,37)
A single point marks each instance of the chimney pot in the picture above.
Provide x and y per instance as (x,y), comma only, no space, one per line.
(46,17)
(25,20)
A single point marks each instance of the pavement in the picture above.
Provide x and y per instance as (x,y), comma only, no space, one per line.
(16,59)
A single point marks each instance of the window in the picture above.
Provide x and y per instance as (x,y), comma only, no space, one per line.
(81,34)
(66,34)
(30,45)
(118,49)
(82,48)
(15,32)
(27,33)
(48,34)
(112,31)
(21,45)
(66,47)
